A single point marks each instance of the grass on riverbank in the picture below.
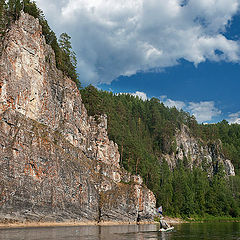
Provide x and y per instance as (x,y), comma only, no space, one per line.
(198,219)
(209,218)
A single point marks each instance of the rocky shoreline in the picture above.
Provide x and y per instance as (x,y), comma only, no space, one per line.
(26,224)
(68,224)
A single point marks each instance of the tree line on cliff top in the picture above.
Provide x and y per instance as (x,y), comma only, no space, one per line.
(145,130)
(66,60)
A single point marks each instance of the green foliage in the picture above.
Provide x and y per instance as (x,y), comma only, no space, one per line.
(67,60)
(3,19)
(144,131)
(92,101)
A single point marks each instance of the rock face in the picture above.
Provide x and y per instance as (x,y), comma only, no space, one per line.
(195,153)
(56,162)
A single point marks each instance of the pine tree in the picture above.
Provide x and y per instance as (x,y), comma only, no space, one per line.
(2,15)
(18,8)
(14,8)
(31,8)
(65,43)
(3,22)
(2,9)
(68,60)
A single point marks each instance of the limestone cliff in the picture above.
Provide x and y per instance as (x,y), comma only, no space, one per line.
(198,153)
(56,162)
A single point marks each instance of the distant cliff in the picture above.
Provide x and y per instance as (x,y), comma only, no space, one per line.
(198,154)
(56,162)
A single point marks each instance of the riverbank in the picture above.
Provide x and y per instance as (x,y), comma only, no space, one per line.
(172,220)
(169,220)
(67,224)
(212,219)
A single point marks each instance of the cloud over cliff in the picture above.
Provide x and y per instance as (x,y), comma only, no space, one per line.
(113,38)
(204,111)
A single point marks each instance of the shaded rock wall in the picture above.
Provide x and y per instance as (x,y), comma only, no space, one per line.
(56,162)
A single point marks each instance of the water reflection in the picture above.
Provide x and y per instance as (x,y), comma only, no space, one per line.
(128,232)
(82,232)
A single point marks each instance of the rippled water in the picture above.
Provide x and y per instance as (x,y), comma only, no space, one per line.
(206,231)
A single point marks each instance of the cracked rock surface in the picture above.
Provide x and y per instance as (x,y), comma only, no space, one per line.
(206,156)
(56,162)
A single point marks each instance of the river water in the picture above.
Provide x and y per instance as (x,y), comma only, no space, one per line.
(194,231)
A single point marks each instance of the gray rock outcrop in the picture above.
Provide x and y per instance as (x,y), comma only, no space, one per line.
(56,162)
(197,153)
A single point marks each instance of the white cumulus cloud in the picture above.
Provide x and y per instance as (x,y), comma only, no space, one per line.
(171,103)
(113,38)
(204,111)
(234,118)
(141,95)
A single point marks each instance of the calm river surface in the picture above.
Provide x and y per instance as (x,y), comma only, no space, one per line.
(206,231)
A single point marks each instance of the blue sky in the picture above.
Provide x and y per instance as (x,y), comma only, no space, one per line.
(217,82)
(185,52)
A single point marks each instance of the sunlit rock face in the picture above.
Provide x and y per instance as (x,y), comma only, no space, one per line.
(56,162)
(197,153)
